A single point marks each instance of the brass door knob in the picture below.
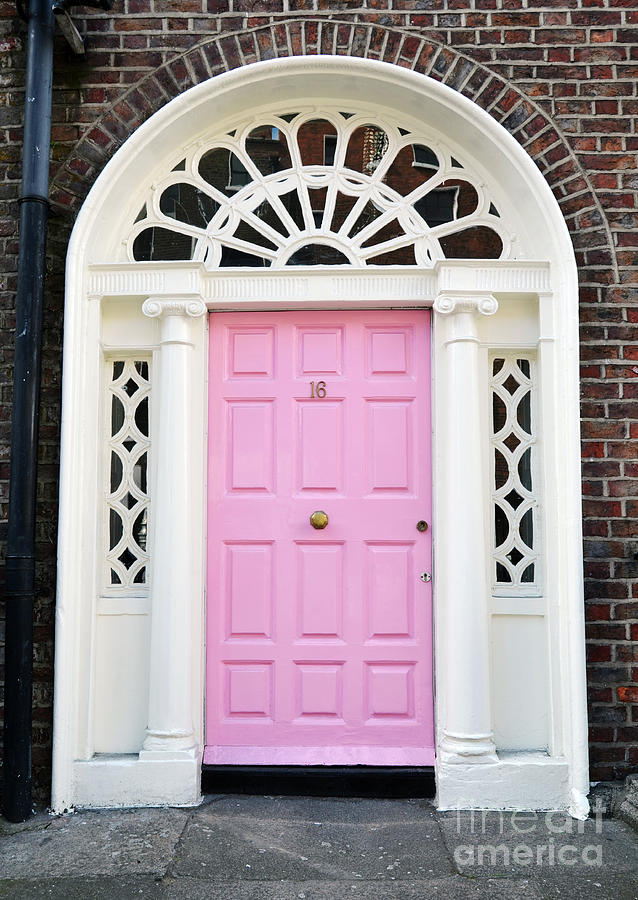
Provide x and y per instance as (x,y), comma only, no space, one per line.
(319,519)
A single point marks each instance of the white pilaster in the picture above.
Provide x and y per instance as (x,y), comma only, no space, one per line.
(170,731)
(467,725)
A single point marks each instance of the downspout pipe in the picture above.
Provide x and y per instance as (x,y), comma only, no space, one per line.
(20,560)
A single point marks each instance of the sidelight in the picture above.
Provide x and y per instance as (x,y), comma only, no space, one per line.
(515,506)
(127,496)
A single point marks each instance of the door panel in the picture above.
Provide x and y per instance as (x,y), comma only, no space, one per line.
(319,642)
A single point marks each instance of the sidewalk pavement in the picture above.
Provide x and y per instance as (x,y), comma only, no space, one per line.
(306,848)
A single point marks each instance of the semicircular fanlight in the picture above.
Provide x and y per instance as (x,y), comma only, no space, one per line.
(306,189)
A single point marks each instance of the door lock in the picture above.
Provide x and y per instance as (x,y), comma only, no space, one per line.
(425,576)
(421,525)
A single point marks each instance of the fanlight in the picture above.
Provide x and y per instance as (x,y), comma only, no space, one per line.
(298,190)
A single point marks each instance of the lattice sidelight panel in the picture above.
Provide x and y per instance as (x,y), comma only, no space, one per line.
(336,188)
(515,504)
(128,416)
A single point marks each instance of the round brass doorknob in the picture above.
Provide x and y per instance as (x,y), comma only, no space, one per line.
(319,519)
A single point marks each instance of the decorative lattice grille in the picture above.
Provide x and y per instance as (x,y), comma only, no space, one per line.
(127,476)
(513,473)
(337,189)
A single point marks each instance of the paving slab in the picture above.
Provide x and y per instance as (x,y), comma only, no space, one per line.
(83,888)
(297,848)
(311,809)
(248,848)
(39,820)
(601,886)
(536,844)
(100,842)
(451,888)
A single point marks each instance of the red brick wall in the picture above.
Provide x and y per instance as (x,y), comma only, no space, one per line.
(560,76)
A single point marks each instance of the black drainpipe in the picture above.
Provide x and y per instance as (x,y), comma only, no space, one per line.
(20,564)
(20,561)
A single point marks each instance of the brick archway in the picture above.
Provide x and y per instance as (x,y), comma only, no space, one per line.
(507,104)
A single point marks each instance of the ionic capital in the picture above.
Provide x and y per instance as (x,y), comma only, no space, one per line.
(447,303)
(155,307)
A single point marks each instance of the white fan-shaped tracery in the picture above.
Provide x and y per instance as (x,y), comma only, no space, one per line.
(319,188)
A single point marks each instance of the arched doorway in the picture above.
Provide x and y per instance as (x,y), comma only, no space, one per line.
(342,185)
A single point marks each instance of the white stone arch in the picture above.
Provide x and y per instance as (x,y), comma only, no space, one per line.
(535,290)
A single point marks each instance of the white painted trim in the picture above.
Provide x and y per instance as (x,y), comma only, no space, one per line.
(532,781)
(465,727)
(316,756)
(174,559)
(518,606)
(111,781)
(123,606)
(329,287)
(95,246)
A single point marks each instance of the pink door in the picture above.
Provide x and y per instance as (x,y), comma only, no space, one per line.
(319,640)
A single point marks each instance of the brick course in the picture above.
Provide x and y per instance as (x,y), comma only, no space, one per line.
(560,76)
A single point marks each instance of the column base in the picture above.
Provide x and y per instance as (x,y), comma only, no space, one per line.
(167,755)
(168,741)
(467,749)
(518,781)
(150,779)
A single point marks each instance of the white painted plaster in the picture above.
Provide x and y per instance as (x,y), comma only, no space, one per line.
(515,781)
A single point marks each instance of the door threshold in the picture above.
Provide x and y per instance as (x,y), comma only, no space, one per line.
(320,781)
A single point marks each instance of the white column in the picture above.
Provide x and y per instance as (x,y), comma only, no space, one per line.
(467,726)
(170,718)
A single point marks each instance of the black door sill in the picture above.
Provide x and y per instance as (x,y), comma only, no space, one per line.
(320,781)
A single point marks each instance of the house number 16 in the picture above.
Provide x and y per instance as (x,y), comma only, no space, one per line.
(317,389)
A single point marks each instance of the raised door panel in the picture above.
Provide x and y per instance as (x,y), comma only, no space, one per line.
(319,445)
(249,454)
(319,593)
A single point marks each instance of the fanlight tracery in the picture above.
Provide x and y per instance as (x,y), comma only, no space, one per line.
(328,189)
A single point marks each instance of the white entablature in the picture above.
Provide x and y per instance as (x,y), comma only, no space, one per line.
(325,286)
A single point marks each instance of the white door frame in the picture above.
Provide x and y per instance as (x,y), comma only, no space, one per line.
(158,308)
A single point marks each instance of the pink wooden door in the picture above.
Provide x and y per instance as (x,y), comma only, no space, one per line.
(319,642)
